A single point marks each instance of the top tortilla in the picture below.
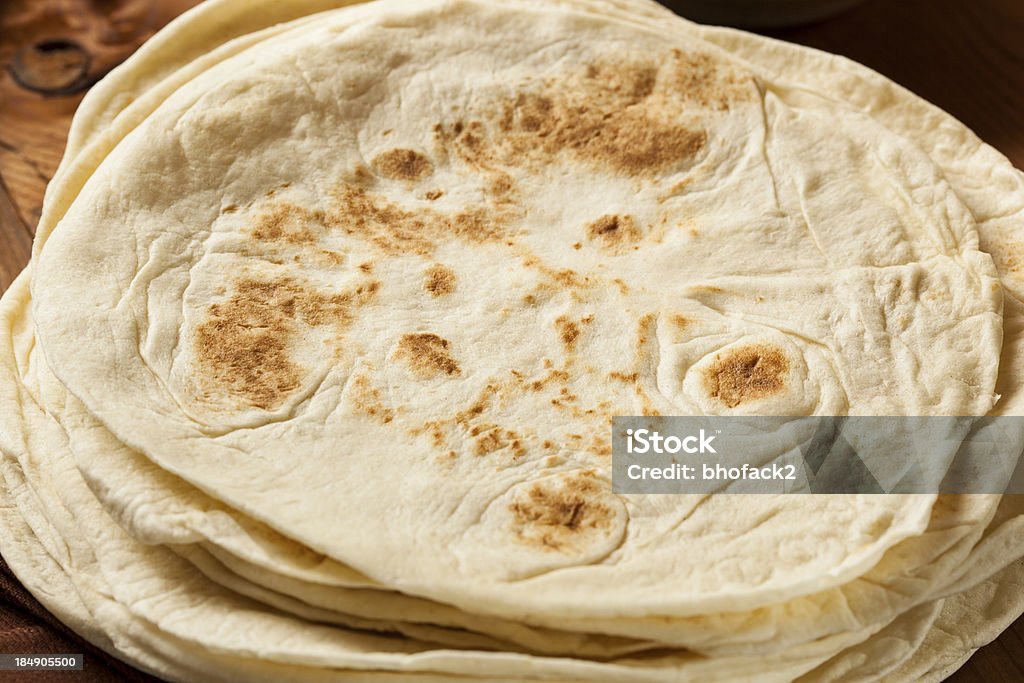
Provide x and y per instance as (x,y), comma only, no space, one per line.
(311,257)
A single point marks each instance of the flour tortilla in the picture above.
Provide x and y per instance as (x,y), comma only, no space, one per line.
(947,273)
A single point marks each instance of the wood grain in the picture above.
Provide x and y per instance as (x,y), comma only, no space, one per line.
(33,126)
(967,56)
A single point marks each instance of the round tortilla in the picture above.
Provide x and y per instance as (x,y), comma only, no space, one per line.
(500,495)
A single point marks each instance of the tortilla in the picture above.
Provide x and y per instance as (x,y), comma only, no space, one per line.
(499,495)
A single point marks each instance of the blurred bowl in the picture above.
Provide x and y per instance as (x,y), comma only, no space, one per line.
(758,14)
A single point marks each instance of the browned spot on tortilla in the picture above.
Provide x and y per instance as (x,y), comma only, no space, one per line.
(746,374)
(427,355)
(630,378)
(611,116)
(482,402)
(367,399)
(230,208)
(402,164)
(393,229)
(492,438)
(614,232)
(288,223)
(568,331)
(646,329)
(440,280)
(705,81)
(554,516)
(680,321)
(333,257)
(243,348)
(566,277)
(638,114)
(553,375)
(434,195)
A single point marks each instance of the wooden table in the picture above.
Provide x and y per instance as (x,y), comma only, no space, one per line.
(967,56)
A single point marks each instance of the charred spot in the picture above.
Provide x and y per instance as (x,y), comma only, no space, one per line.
(569,330)
(614,232)
(393,229)
(427,355)
(746,373)
(243,348)
(288,223)
(440,280)
(368,400)
(553,514)
(492,438)
(402,164)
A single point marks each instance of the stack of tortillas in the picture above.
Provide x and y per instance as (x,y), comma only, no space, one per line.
(311,376)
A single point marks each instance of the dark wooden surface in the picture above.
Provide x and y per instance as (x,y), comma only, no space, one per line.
(967,56)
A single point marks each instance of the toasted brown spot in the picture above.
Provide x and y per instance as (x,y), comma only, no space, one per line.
(427,355)
(288,223)
(500,185)
(614,232)
(552,516)
(482,402)
(366,215)
(332,256)
(747,373)
(440,280)
(704,81)
(680,321)
(611,118)
(243,348)
(637,114)
(568,331)
(630,378)
(491,438)
(434,195)
(367,399)
(402,164)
